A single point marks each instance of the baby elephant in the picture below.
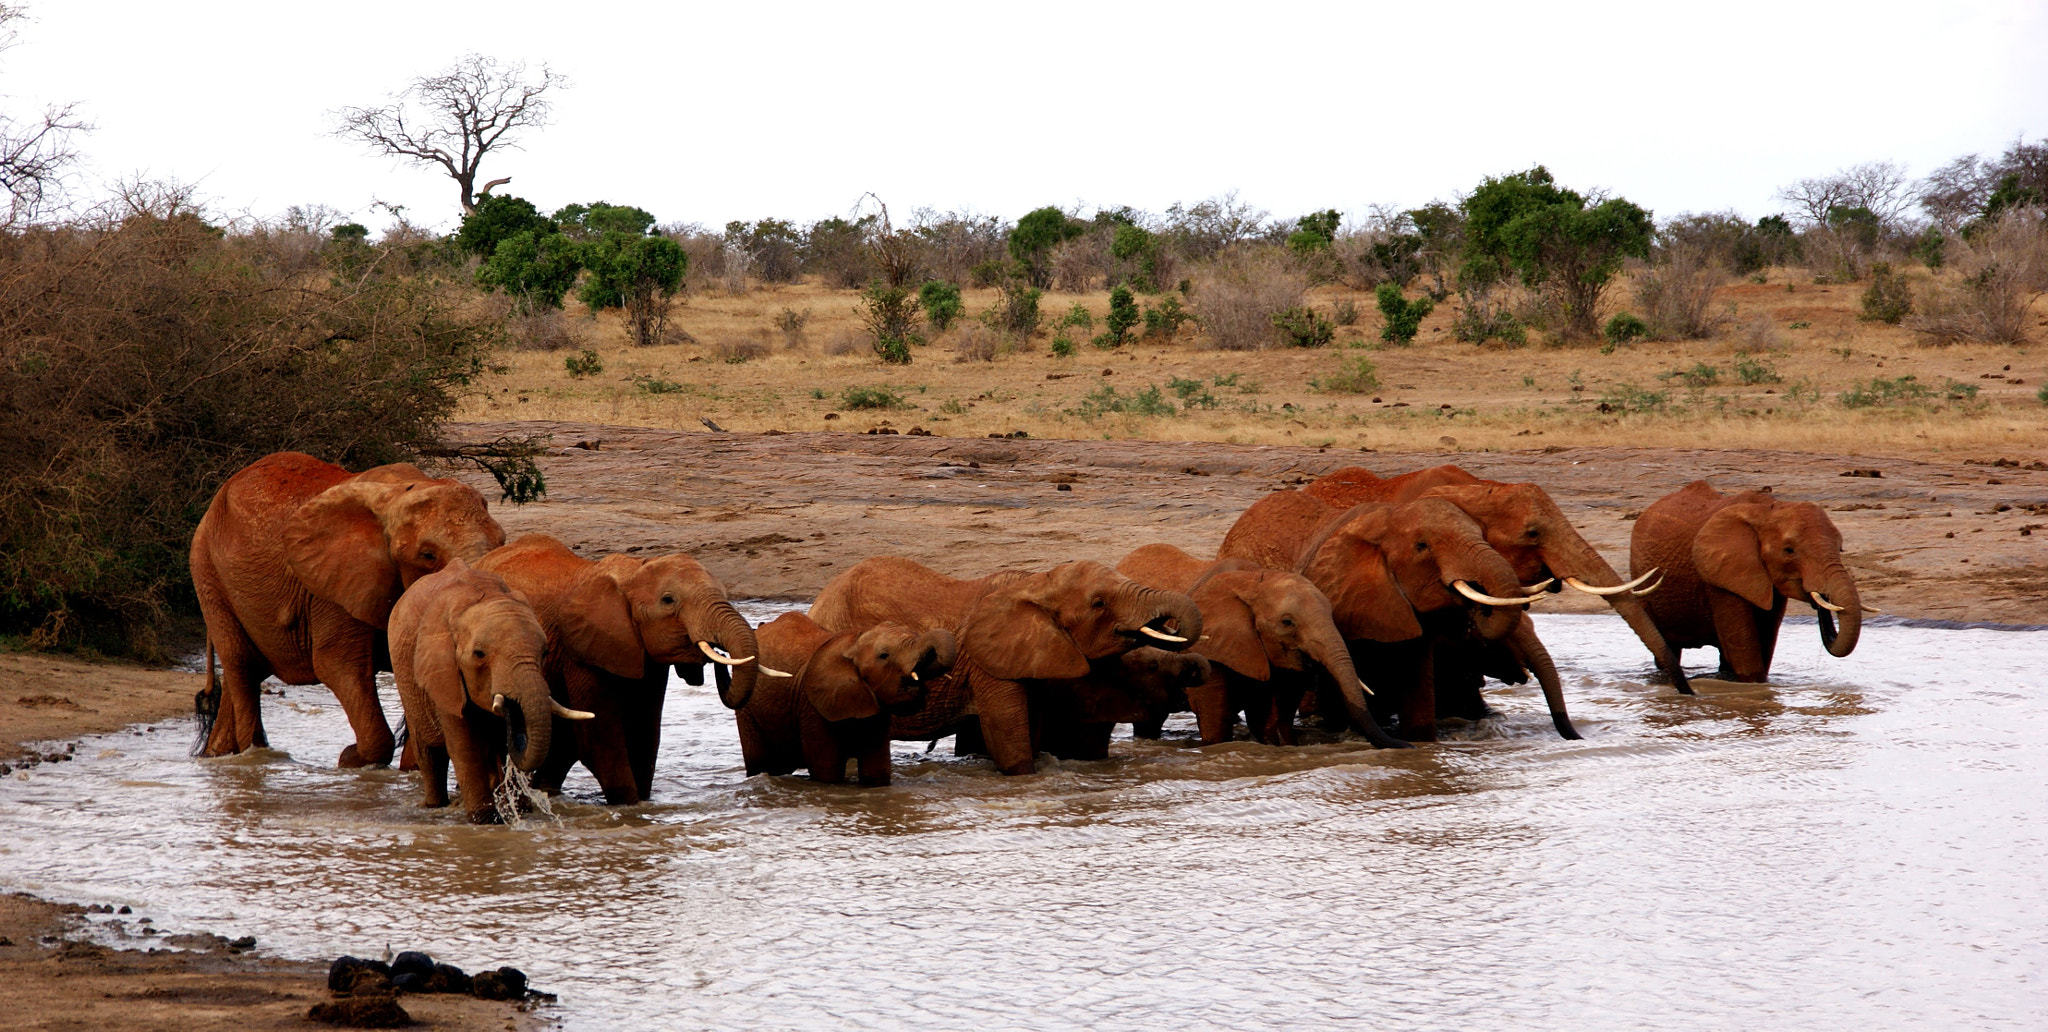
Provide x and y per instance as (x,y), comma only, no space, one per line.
(837,705)
(466,651)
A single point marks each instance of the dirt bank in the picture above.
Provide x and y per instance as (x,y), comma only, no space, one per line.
(777,515)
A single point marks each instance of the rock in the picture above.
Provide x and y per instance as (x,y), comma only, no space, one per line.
(447,978)
(506,983)
(341,974)
(361,1012)
(412,961)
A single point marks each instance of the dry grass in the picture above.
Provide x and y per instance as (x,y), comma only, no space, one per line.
(1480,398)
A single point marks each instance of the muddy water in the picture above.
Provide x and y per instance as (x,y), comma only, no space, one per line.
(1865,843)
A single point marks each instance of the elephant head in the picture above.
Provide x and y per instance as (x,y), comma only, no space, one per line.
(1761,549)
(361,543)
(477,643)
(1262,621)
(882,670)
(1384,566)
(1527,528)
(1052,625)
(625,611)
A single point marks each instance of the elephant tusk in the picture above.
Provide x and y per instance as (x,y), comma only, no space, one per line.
(1161,635)
(1616,590)
(1868,608)
(1541,585)
(1822,601)
(1640,592)
(1466,589)
(772,672)
(566,713)
(498,704)
(720,657)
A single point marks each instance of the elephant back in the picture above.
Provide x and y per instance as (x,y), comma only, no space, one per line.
(1273,531)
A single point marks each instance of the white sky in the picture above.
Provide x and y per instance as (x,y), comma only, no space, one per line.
(709,112)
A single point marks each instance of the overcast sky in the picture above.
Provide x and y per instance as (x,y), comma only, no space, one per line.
(710,112)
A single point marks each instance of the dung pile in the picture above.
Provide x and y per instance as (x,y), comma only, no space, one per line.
(366,991)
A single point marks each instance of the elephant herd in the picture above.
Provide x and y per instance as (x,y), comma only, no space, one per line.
(1373,604)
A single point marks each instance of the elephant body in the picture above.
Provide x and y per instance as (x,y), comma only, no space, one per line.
(1016,632)
(297,564)
(836,702)
(613,629)
(1073,718)
(1731,562)
(466,651)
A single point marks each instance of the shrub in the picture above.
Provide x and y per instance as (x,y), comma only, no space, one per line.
(1078,318)
(1677,293)
(640,274)
(1062,347)
(1481,318)
(835,250)
(497,217)
(1554,239)
(1137,253)
(792,322)
(582,364)
(1105,400)
(1888,298)
(2041,393)
(1301,327)
(1753,370)
(735,352)
(975,344)
(587,222)
(941,303)
(1076,264)
(1624,328)
(1123,315)
(1017,312)
(1882,392)
(889,315)
(1403,317)
(1700,376)
(1629,398)
(1999,270)
(543,330)
(1237,295)
(1354,375)
(773,249)
(1165,318)
(146,356)
(1344,312)
(534,269)
(871,398)
(1930,248)
(1193,394)
(1314,232)
(1034,237)
(656,385)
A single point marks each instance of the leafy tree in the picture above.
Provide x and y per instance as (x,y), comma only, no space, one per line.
(1442,232)
(835,250)
(1034,237)
(1136,247)
(775,245)
(1526,224)
(1123,315)
(535,268)
(1314,232)
(640,274)
(496,218)
(890,316)
(595,220)
(1403,317)
(941,303)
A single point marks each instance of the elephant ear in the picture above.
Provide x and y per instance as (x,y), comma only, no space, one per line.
(1229,626)
(1729,556)
(1365,599)
(336,546)
(434,669)
(597,626)
(1016,639)
(832,682)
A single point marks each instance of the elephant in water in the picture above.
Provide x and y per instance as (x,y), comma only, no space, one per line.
(836,704)
(614,626)
(1732,562)
(297,565)
(1020,636)
(466,652)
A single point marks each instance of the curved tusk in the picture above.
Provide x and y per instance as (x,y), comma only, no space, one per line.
(1161,635)
(1616,590)
(498,704)
(719,657)
(1640,592)
(1466,589)
(1821,601)
(1868,608)
(1542,585)
(914,677)
(772,672)
(566,713)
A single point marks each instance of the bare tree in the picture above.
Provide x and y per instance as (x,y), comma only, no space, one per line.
(1880,186)
(455,118)
(35,152)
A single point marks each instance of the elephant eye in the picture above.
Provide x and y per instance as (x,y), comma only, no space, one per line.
(1533,532)
(881,655)
(1422,546)
(478,653)
(1287,621)
(1788,549)
(426,555)
(1099,603)
(668,600)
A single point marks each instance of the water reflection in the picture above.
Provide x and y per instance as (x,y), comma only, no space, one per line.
(1859,842)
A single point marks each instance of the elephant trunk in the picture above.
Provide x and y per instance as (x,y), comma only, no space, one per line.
(728,630)
(1582,562)
(1537,659)
(1165,620)
(1328,649)
(1479,565)
(1838,629)
(529,715)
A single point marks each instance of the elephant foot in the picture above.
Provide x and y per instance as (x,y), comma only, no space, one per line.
(487,815)
(619,796)
(351,759)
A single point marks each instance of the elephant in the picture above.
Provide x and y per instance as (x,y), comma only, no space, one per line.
(466,651)
(614,627)
(1403,580)
(837,705)
(1073,719)
(1018,634)
(297,564)
(1731,562)
(1267,635)
(1524,524)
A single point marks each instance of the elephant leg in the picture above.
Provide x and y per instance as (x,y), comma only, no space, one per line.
(433,774)
(1150,726)
(1086,740)
(1767,623)
(238,713)
(1211,702)
(475,772)
(873,753)
(967,738)
(1418,714)
(1459,679)
(1286,699)
(1736,633)
(643,731)
(343,661)
(1004,708)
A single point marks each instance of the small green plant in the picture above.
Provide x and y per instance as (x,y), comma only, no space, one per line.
(1165,318)
(1018,310)
(818,393)
(1931,248)
(1879,391)
(941,303)
(1105,400)
(1888,298)
(1624,327)
(1628,397)
(1956,390)
(583,363)
(1062,347)
(893,352)
(1700,375)
(870,398)
(656,385)
(2042,393)
(1078,318)
(952,407)
(1403,317)
(1528,381)
(1303,328)
(1314,232)
(1193,394)
(1803,325)
(1355,375)
(1753,370)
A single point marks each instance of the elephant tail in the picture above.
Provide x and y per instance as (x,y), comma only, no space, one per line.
(206,704)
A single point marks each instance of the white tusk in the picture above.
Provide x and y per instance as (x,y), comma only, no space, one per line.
(1868,608)
(1481,597)
(566,713)
(772,672)
(1541,585)
(1161,635)
(498,704)
(1616,590)
(1640,592)
(719,657)
(1821,601)
(914,677)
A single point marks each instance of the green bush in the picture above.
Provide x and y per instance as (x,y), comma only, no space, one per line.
(657,385)
(497,217)
(535,269)
(1623,328)
(597,220)
(1882,392)
(1018,310)
(1123,314)
(640,274)
(1888,299)
(1931,248)
(1034,237)
(1138,250)
(1062,347)
(1105,400)
(1403,317)
(1078,318)
(1699,376)
(1753,370)
(1314,232)
(1301,327)
(1525,223)
(585,363)
(1165,318)
(941,303)
(871,398)
(1354,375)
(1480,320)
(1193,394)
(890,314)
(1628,397)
